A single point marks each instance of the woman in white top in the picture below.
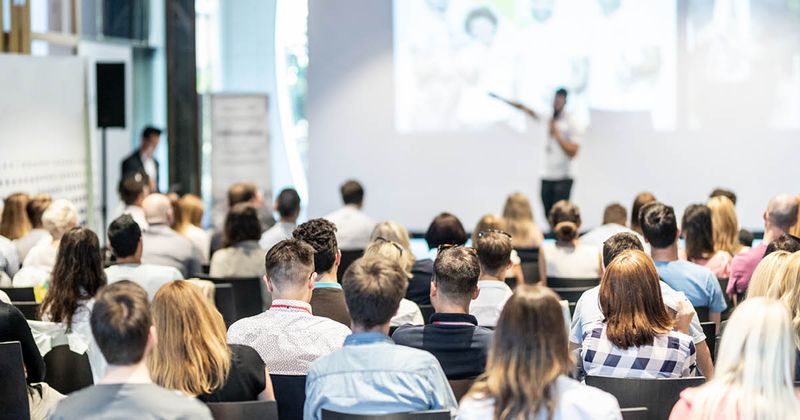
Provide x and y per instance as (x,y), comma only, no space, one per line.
(58,219)
(567,257)
(409,312)
(527,367)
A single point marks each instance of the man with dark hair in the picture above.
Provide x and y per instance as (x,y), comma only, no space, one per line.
(699,284)
(587,309)
(124,332)
(327,299)
(453,335)
(133,188)
(353,227)
(288,207)
(142,159)
(780,215)
(785,242)
(615,220)
(125,241)
(242,192)
(370,374)
(445,229)
(287,335)
(494,253)
(35,208)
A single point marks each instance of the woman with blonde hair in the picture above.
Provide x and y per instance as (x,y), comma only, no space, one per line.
(725,225)
(518,214)
(188,225)
(59,218)
(753,376)
(766,277)
(408,312)
(528,366)
(490,222)
(192,354)
(14,222)
(395,232)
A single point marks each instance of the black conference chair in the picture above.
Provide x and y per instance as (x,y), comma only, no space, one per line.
(636,413)
(246,294)
(460,387)
(19,294)
(418,415)
(262,410)
(529,261)
(571,289)
(67,371)
(702,313)
(657,395)
(13,392)
(723,285)
(223,300)
(710,330)
(29,309)
(427,312)
(290,394)
(348,257)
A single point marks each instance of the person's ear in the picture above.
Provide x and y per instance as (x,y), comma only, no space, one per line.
(434,289)
(678,234)
(476,293)
(509,265)
(338,261)
(312,280)
(139,246)
(269,284)
(152,339)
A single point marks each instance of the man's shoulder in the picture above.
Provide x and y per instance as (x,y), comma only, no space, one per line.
(330,327)
(409,335)
(147,398)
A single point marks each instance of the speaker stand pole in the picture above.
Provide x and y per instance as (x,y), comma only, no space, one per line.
(104,209)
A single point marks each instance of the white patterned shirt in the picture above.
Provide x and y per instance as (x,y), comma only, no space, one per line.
(288,337)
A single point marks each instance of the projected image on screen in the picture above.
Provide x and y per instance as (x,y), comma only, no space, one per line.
(614,56)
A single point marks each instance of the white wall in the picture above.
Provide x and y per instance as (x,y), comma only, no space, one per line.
(410,178)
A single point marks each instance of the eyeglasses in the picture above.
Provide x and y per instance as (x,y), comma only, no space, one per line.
(483,233)
(396,245)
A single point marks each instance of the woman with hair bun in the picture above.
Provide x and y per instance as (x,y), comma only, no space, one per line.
(567,257)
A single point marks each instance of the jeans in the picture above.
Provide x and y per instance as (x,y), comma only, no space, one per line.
(554,191)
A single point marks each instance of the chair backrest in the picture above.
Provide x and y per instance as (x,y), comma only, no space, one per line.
(13,397)
(19,294)
(67,371)
(417,415)
(710,330)
(290,394)
(223,300)
(571,289)
(348,257)
(635,413)
(657,395)
(529,261)
(262,410)
(427,311)
(702,313)
(29,309)
(246,294)
(460,387)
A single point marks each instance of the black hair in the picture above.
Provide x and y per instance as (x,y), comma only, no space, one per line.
(288,202)
(659,224)
(722,192)
(619,243)
(445,229)
(785,242)
(696,227)
(124,235)
(562,92)
(241,224)
(352,192)
(150,131)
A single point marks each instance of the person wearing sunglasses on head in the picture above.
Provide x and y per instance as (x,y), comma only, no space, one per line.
(494,253)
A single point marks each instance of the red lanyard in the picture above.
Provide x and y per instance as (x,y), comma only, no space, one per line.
(281,306)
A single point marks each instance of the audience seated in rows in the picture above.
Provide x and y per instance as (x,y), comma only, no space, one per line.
(698,283)
(371,374)
(327,298)
(453,335)
(636,208)
(780,216)
(133,189)
(123,327)
(408,312)
(189,224)
(34,210)
(528,367)
(517,212)
(288,207)
(353,227)
(636,339)
(588,310)
(615,220)
(696,227)
(492,222)
(192,356)
(445,229)
(163,245)
(125,241)
(753,378)
(568,257)
(242,192)
(494,254)
(60,217)
(287,335)
(240,255)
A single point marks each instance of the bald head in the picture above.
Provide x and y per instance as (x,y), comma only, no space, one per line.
(157,209)
(781,212)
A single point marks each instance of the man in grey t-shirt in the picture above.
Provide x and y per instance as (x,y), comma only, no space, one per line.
(123,329)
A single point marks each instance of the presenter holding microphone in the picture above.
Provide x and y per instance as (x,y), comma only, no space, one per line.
(564,136)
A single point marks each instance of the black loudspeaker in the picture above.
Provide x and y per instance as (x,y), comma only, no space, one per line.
(110,95)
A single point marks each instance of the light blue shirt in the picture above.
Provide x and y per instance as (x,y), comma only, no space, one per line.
(698,283)
(372,375)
